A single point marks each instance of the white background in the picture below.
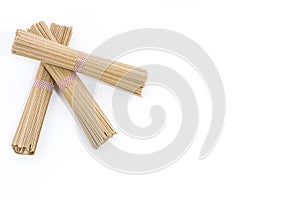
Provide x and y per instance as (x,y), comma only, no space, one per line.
(255,46)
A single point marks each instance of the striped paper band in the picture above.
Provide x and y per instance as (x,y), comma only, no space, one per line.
(68,80)
(80,62)
(46,85)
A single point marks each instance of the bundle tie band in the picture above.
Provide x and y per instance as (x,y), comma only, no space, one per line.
(45,85)
(68,80)
(80,62)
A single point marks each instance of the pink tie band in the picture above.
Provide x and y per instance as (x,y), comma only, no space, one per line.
(80,62)
(45,85)
(68,80)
